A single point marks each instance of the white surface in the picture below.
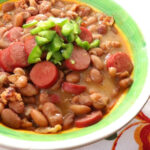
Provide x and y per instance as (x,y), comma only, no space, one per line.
(139,10)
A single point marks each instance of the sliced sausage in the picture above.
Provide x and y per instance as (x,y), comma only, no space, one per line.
(44,74)
(73,88)
(18,55)
(89,119)
(85,34)
(29,44)
(10,118)
(5,60)
(121,61)
(14,34)
(30,19)
(79,60)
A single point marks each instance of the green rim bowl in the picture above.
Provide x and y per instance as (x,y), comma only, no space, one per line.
(125,110)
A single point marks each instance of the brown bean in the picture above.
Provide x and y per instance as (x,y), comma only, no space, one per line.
(29,90)
(29,100)
(19,71)
(32,10)
(56,12)
(68,120)
(123,74)
(97,36)
(52,113)
(17,107)
(10,118)
(18,20)
(92,28)
(1,107)
(73,77)
(25,124)
(3,78)
(80,109)
(82,99)
(125,83)
(96,51)
(38,118)
(27,110)
(21,82)
(84,11)
(96,75)
(44,7)
(12,78)
(112,71)
(97,62)
(26,15)
(44,97)
(40,17)
(8,6)
(33,3)
(99,101)
(102,29)
(91,20)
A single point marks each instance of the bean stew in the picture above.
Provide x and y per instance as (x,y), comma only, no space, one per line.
(62,65)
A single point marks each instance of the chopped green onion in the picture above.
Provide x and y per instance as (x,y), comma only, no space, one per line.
(35,55)
(70,38)
(76,27)
(35,30)
(55,44)
(41,40)
(78,20)
(45,25)
(83,44)
(59,21)
(66,53)
(49,55)
(95,43)
(48,34)
(30,24)
(57,58)
(67,29)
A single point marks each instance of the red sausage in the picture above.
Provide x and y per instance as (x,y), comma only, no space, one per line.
(73,88)
(18,55)
(89,119)
(14,34)
(6,61)
(81,60)
(29,44)
(86,35)
(30,19)
(44,74)
(54,98)
(121,61)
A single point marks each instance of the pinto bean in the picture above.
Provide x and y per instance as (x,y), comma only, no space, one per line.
(84,11)
(32,10)
(102,29)
(123,74)
(82,99)
(44,7)
(73,77)
(91,20)
(80,109)
(38,118)
(97,36)
(97,63)
(40,17)
(56,12)
(27,110)
(8,6)
(21,82)
(33,3)
(1,107)
(17,107)
(3,78)
(68,120)
(52,113)
(112,71)
(96,75)
(96,51)
(99,101)
(18,20)
(125,83)
(44,97)
(25,124)
(29,90)
(92,28)
(29,100)
(26,15)
(19,71)
(10,118)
